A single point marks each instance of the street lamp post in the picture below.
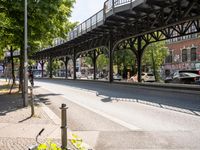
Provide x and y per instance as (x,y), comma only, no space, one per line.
(25,56)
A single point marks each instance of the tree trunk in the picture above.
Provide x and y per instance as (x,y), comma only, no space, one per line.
(21,71)
(13,67)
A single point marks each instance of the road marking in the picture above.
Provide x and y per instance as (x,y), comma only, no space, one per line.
(114,119)
(118,121)
(51,114)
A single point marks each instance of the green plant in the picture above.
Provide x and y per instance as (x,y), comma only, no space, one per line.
(77,142)
(48,146)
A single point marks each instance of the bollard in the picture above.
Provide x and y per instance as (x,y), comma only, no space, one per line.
(64,126)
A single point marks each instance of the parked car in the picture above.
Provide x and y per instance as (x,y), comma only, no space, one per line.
(148,77)
(78,75)
(183,78)
(117,77)
(145,77)
(190,71)
(90,77)
(38,75)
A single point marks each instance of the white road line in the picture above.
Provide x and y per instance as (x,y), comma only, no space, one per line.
(114,119)
(118,121)
(51,114)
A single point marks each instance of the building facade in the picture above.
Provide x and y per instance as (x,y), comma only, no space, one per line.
(184,53)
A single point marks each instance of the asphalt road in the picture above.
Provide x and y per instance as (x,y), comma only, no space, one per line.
(122,117)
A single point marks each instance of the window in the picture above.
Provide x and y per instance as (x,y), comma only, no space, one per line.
(184,55)
(169,58)
(193,54)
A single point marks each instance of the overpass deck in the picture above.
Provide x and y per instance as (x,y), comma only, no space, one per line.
(127,24)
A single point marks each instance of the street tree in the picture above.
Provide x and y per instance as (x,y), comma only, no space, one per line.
(47,20)
(56,65)
(124,60)
(102,62)
(154,56)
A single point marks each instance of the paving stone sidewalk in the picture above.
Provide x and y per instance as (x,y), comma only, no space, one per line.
(18,130)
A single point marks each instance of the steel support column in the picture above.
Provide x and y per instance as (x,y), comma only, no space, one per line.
(110,49)
(94,58)
(139,58)
(42,67)
(50,67)
(74,63)
(66,63)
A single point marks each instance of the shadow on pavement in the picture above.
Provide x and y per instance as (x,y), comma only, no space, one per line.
(9,103)
(44,98)
(175,101)
(25,119)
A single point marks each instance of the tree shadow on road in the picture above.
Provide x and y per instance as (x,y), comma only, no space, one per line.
(189,110)
(173,100)
(164,99)
(44,98)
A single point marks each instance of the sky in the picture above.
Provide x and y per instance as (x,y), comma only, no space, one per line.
(84,9)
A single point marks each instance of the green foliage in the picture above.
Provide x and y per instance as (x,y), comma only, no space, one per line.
(46,20)
(124,57)
(123,60)
(88,61)
(102,62)
(77,142)
(55,65)
(50,145)
(154,56)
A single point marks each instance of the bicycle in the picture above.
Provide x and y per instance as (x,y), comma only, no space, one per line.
(34,147)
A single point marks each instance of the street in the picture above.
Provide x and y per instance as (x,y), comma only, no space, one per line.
(113,116)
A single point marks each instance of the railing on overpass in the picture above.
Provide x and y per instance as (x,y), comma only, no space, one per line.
(86,26)
(93,21)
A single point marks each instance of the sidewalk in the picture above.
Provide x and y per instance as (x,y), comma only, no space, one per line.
(18,130)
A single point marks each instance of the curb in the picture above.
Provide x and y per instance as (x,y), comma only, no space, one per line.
(51,114)
(57,121)
(180,88)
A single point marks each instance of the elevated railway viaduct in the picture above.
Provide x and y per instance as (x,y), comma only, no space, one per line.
(126,24)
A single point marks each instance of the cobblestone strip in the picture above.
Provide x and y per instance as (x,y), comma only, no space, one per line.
(24,143)
(16,143)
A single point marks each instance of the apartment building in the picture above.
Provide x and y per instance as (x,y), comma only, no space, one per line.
(184,53)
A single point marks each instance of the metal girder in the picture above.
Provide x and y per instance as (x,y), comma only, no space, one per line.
(99,51)
(153,20)
(164,34)
(162,18)
(189,8)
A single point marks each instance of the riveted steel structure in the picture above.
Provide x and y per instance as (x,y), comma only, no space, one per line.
(130,24)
